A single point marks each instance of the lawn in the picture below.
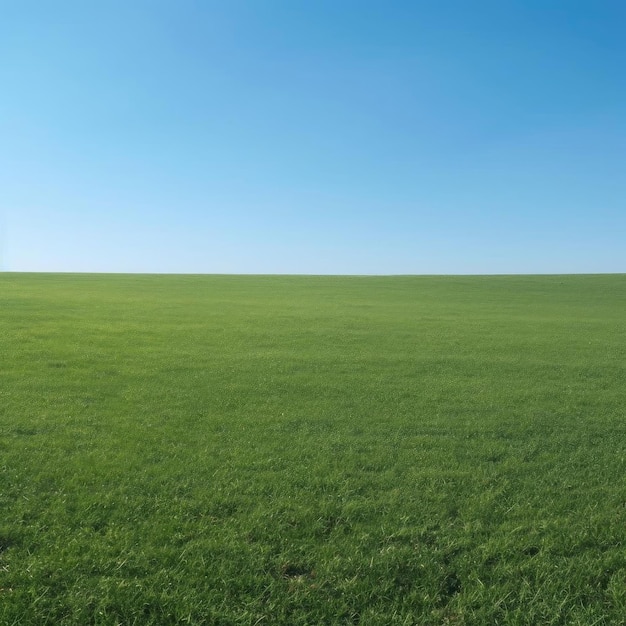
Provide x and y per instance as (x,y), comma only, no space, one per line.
(247,450)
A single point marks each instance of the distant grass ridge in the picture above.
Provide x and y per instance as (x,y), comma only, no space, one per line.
(236,450)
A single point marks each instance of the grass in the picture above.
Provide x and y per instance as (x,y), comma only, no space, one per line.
(312,450)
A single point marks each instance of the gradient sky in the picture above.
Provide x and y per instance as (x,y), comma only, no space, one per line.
(326,136)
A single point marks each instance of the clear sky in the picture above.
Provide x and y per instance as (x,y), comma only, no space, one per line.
(301,136)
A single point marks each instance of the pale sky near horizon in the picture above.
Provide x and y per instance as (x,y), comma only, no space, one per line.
(325,137)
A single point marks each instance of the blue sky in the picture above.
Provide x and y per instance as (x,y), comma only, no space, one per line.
(326,137)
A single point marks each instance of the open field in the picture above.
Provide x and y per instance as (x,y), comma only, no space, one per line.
(312,450)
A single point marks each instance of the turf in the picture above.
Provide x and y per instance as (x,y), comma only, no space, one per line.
(312,450)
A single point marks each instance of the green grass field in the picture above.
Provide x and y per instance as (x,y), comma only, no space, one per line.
(312,450)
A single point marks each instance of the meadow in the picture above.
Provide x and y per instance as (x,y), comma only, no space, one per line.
(282,450)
